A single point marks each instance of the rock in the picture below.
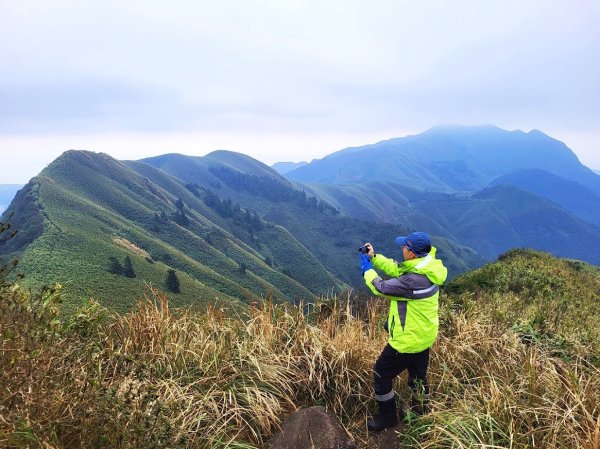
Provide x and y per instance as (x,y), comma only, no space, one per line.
(312,428)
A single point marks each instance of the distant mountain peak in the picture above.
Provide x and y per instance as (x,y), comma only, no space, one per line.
(454,129)
(449,157)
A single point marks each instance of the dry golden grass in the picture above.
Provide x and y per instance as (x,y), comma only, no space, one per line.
(157,378)
(491,390)
(153,378)
(131,246)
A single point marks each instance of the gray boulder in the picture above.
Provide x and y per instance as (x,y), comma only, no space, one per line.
(312,428)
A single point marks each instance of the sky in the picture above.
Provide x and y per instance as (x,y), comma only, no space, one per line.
(287,80)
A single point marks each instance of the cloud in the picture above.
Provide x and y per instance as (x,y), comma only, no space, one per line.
(86,105)
(272,68)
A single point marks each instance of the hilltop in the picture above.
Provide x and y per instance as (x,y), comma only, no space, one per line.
(86,209)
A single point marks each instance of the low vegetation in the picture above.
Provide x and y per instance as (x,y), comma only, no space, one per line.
(505,372)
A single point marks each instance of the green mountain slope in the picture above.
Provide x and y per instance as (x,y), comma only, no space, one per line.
(526,220)
(86,208)
(331,236)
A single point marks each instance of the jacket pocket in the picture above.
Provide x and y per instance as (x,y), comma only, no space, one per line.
(392,327)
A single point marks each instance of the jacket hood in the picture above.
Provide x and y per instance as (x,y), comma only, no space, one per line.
(429,266)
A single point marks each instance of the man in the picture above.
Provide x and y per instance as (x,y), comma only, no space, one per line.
(412,322)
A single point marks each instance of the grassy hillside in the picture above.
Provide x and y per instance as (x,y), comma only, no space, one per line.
(516,365)
(86,208)
(546,300)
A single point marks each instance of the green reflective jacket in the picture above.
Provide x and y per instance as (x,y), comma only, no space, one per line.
(413,292)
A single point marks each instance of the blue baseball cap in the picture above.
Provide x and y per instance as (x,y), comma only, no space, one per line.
(417,242)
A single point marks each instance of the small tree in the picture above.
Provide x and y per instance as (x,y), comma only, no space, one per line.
(128,268)
(172,281)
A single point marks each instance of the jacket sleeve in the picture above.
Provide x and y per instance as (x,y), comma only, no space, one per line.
(370,276)
(388,266)
(406,287)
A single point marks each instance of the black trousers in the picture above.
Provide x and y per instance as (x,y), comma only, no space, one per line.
(391,363)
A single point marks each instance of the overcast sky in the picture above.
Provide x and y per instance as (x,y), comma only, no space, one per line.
(287,79)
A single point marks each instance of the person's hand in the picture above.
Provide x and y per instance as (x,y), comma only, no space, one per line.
(365,263)
(371,252)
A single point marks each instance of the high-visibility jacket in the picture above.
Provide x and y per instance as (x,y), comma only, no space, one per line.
(413,291)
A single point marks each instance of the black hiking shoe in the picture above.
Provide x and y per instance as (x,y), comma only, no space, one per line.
(387,416)
(379,422)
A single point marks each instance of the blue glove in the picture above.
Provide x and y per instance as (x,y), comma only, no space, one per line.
(365,263)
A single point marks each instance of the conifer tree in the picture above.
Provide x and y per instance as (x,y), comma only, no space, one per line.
(128,268)
(172,281)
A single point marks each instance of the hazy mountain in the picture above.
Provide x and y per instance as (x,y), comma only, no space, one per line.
(570,195)
(449,158)
(284,167)
(435,181)
(7,193)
